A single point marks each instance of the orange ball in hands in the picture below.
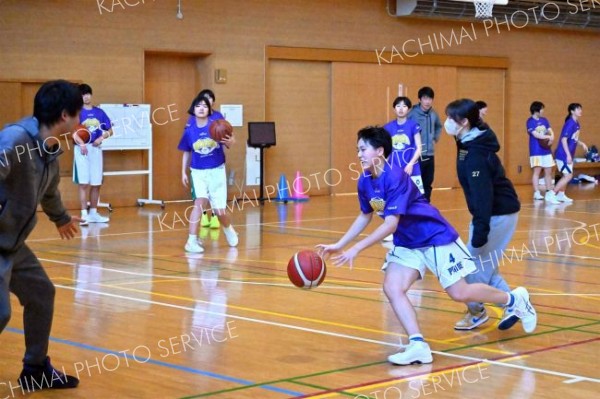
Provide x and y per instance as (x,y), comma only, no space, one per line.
(306,269)
(219,129)
(81,132)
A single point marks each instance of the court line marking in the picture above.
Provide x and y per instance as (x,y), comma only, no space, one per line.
(159,363)
(428,376)
(187,278)
(333,334)
(277,314)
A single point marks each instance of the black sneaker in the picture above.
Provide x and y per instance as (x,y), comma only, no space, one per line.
(35,378)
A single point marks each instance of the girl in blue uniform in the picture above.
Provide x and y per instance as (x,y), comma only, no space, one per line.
(422,239)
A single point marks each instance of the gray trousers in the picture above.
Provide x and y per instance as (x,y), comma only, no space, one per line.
(487,258)
(22,274)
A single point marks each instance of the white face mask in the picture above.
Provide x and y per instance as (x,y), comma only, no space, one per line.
(452,128)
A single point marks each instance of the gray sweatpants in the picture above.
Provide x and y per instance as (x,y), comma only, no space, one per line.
(487,257)
(22,274)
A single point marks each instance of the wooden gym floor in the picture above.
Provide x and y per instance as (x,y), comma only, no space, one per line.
(136,318)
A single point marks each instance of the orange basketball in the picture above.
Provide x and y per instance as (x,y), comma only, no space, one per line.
(82,132)
(220,129)
(545,143)
(306,269)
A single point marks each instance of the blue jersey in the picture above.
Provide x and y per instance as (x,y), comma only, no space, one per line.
(394,193)
(403,142)
(206,153)
(96,121)
(540,125)
(571,131)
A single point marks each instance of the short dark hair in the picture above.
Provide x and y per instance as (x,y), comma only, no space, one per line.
(199,99)
(480,104)
(376,136)
(53,98)
(207,93)
(426,91)
(85,89)
(404,100)
(536,106)
(466,109)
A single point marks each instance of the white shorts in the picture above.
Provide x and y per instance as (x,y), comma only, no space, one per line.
(449,263)
(419,183)
(564,168)
(544,161)
(87,169)
(211,184)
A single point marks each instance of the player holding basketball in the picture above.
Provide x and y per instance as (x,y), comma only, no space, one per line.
(211,222)
(422,239)
(29,175)
(87,157)
(492,201)
(206,160)
(565,151)
(406,141)
(540,158)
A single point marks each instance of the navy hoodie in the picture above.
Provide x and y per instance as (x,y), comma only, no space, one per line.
(487,190)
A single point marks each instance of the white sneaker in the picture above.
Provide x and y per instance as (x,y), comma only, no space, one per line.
(417,352)
(194,247)
(96,218)
(551,198)
(509,319)
(562,197)
(538,196)
(524,310)
(389,238)
(83,222)
(231,236)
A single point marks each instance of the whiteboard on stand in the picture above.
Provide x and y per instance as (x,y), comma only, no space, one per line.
(132,129)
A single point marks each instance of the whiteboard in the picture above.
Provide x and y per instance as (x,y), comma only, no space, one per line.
(132,129)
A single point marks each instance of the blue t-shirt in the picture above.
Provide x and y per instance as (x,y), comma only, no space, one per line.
(206,153)
(96,121)
(213,117)
(403,142)
(540,125)
(571,131)
(394,193)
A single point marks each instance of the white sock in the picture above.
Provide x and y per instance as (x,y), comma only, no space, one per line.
(93,211)
(192,237)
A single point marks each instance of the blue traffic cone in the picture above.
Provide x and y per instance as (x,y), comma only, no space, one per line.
(283,190)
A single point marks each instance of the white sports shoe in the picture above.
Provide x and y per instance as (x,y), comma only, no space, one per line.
(193,246)
(417,352)
(231,236)
(389,238)
(551,198)
(523,309)
(562,197)
(96,218)
(538,196)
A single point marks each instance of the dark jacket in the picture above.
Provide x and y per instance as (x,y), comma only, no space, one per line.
(29,175)
(487,190)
